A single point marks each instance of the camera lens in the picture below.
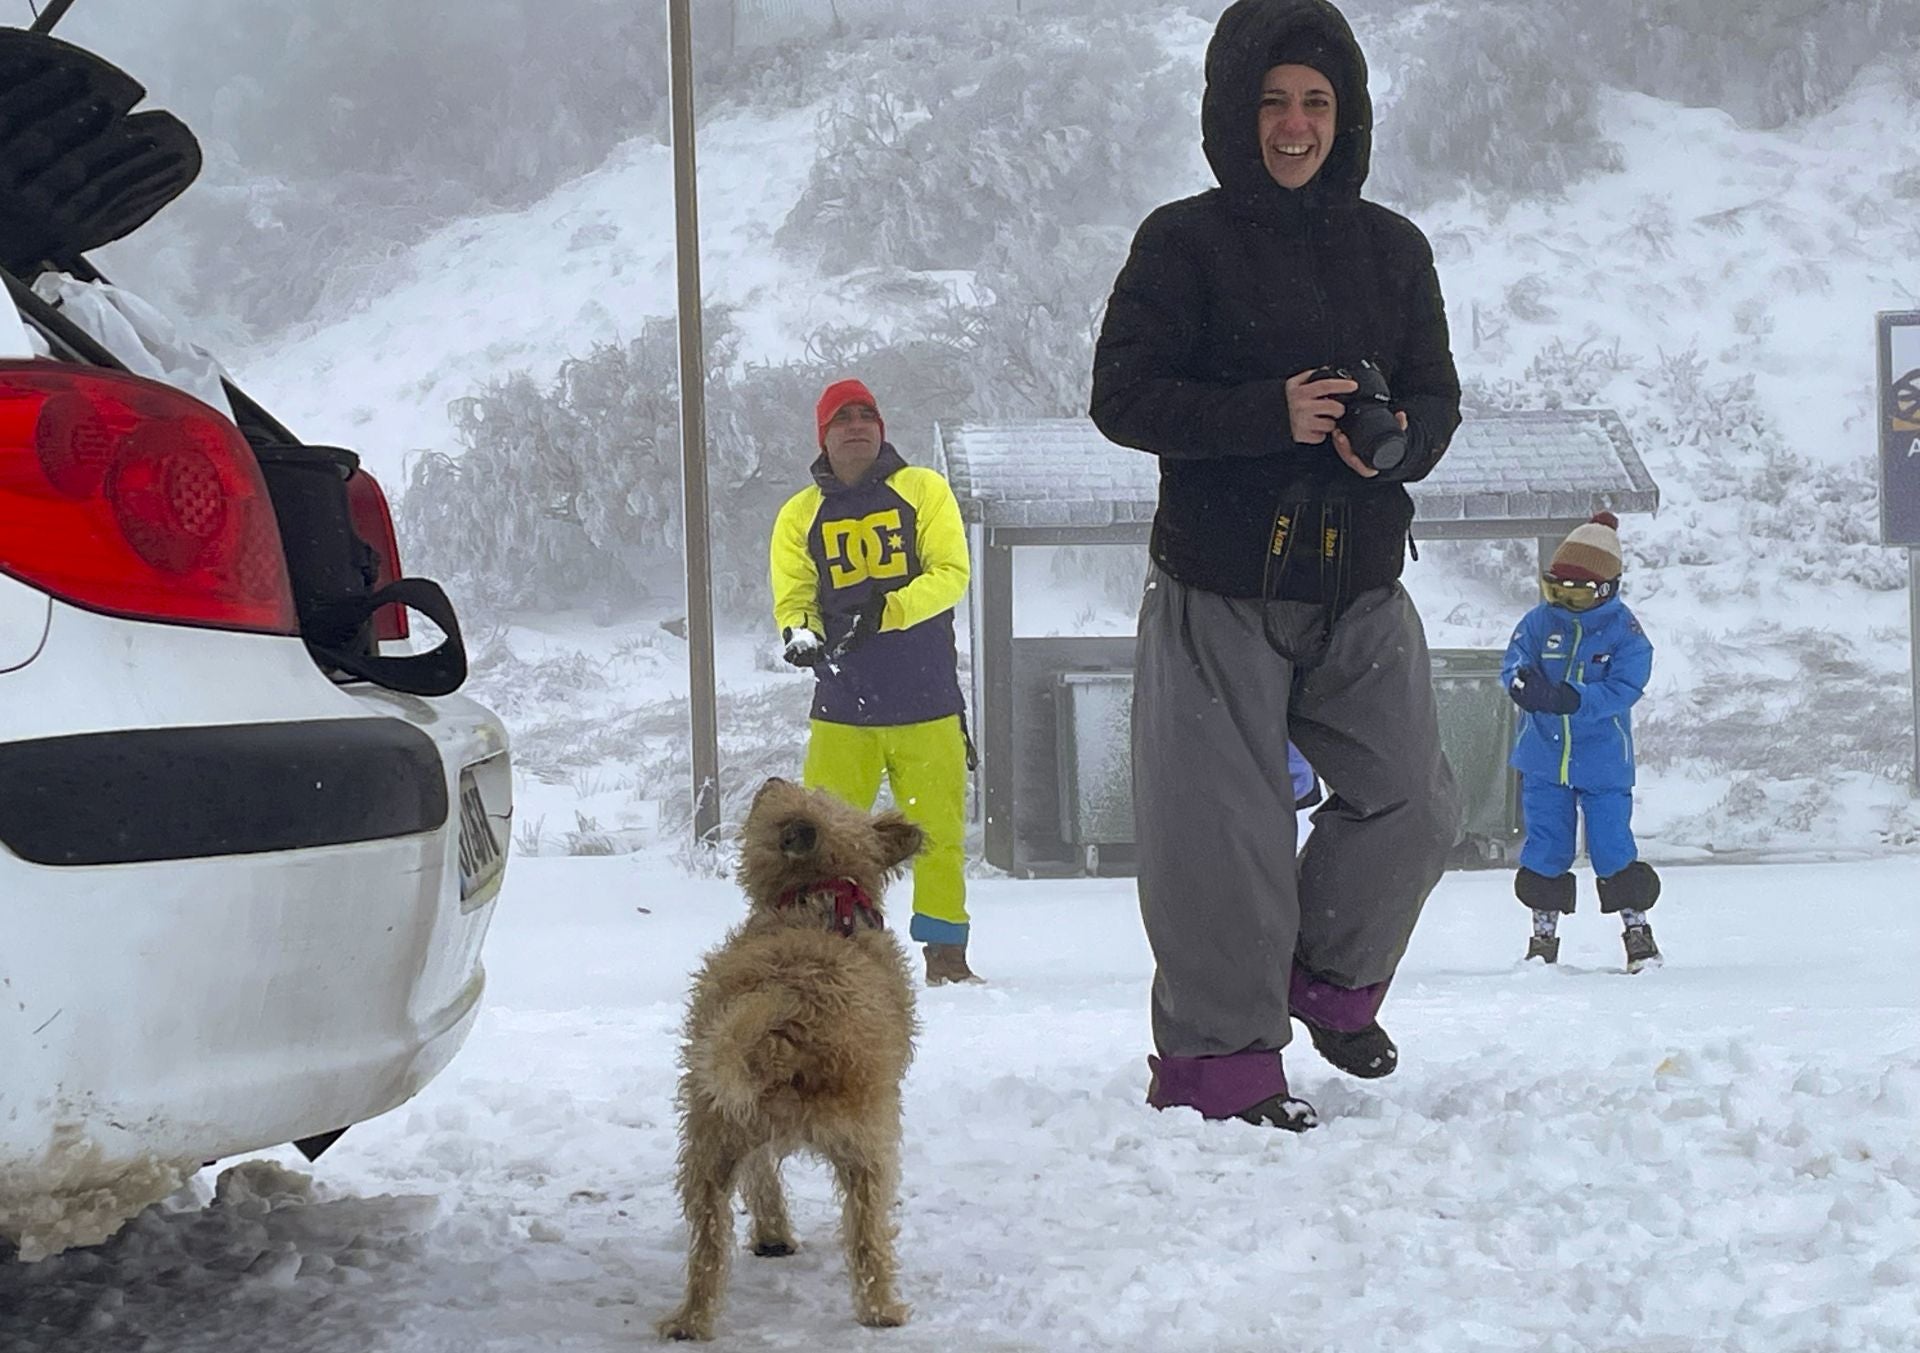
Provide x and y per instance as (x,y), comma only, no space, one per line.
(1389,451)
(1376,436)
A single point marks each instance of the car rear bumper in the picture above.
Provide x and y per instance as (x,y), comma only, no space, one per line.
(157,1013)
(140,795)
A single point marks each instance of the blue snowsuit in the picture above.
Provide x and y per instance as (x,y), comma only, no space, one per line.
(1306,784)
(1581,760)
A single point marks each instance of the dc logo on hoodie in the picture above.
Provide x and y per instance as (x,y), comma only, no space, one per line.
(871,547)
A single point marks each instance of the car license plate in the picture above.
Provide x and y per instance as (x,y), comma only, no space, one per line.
(483,862)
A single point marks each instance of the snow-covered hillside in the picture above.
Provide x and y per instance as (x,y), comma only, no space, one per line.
(529,289)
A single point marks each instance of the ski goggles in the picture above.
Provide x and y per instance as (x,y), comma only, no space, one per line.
(1577,594)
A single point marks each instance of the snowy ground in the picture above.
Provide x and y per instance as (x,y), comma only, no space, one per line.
(1719,1155)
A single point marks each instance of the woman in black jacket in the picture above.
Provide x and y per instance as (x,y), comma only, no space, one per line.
(1273,605)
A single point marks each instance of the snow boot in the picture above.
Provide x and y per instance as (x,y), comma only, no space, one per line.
(1367,1053)
(1281,1111)
(1248,1086)
(1641,950)
(947,966)
(1343,1023)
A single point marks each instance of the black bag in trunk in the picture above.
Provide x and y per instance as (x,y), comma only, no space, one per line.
(335,575)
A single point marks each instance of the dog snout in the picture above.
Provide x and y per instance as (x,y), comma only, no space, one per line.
(798,837)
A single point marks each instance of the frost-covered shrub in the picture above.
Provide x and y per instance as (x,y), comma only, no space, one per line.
(570,494)
(1791,701)
(1490,99)
(1764,64)
(1560,376)
(925,165)
(1027,325)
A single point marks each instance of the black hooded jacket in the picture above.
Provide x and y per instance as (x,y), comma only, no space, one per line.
(1227,294)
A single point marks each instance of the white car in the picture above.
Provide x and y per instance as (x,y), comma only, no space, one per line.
(243,887)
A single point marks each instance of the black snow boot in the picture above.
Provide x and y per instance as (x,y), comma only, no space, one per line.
(1641,950)
(1367,1053)
(1281,1111)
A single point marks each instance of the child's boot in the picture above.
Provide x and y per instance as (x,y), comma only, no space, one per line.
(1630,892)
(1549,899)
(1641,950)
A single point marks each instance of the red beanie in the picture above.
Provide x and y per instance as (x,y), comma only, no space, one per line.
(835,398)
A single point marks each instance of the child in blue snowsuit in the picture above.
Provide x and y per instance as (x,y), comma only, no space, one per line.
(1576,665)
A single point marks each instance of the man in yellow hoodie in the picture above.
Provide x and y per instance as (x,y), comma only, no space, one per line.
(868,563)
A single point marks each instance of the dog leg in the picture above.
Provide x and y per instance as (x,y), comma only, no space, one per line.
(867,1187)
(772,1234)
(709,1160)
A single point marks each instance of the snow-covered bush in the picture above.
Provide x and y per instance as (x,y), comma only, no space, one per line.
(1029,320)
(1491,99)
(570,494)
(1764,64)
(925,165)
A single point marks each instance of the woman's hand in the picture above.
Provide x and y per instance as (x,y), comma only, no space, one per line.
(1311,407)
(1344,449)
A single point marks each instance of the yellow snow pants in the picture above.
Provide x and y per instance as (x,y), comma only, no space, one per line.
(926,765)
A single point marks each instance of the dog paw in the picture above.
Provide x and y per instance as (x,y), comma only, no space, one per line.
(774,1249)
(884,1316)
(682,1327)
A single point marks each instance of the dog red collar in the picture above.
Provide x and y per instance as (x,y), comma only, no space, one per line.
(851,904)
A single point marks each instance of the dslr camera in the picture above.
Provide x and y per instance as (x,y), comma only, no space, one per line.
(1369,422)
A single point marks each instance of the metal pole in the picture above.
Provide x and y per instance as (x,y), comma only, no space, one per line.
(1913,641)
(50,16)
(693,435)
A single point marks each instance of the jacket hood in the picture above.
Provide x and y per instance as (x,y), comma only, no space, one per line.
(1238,59)
(886,464)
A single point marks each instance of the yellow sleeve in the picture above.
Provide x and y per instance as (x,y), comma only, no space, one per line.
(942,540)
(796,581)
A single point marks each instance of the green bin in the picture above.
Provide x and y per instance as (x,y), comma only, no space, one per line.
(1478,723)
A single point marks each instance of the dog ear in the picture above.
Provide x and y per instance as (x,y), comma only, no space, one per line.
(899,839)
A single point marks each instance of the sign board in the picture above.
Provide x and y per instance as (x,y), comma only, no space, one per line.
(1898,418)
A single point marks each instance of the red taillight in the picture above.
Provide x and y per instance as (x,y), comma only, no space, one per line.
(122,495)
(373,522)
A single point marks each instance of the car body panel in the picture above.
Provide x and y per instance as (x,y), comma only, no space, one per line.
(25,614)
(159,1014)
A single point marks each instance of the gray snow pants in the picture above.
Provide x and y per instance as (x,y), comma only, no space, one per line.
(1228,908)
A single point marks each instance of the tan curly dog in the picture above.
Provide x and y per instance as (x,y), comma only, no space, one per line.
(799,1030)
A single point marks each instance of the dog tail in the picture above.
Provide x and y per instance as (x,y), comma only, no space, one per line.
(754,1052)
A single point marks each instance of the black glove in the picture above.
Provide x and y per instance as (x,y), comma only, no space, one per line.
(1536,692)
(866,624)
(804,648)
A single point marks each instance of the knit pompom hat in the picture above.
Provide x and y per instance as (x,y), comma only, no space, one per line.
(1590,553)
